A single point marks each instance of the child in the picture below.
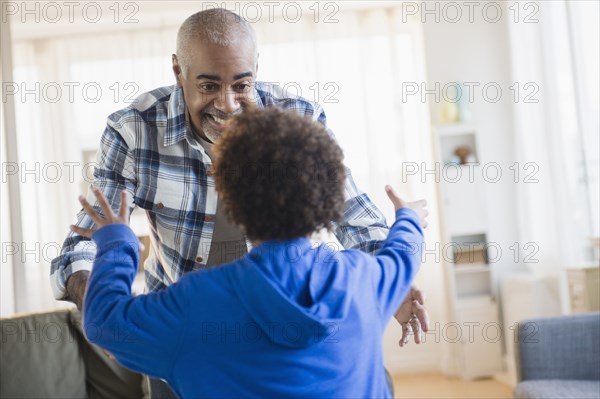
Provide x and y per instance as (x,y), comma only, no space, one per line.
(287,319)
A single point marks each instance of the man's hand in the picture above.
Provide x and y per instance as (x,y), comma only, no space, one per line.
(412,316)
(76,284)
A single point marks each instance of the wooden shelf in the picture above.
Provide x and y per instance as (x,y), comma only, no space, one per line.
(470,301)
(474,268)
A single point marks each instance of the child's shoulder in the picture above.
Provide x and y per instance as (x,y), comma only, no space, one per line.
(328,254)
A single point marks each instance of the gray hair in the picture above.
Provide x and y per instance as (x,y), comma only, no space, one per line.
(216,26)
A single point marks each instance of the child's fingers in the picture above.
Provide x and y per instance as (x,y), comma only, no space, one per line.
(393,197)
(90,211)
(103,203)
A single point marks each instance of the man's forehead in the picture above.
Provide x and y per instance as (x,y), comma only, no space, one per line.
(208,56)
(241,45)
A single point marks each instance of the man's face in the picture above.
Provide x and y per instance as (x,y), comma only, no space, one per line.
(217,84)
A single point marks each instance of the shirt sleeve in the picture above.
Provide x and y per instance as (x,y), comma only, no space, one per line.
(363,226)
(114,171)
(398,261)
(143,332)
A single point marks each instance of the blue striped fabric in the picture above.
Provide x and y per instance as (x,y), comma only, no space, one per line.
(148,150)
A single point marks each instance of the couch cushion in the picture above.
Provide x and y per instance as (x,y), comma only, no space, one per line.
(558,389)
(40,357)
(559,348)
(105,378)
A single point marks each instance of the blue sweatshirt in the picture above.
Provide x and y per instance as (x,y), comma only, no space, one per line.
(287,320)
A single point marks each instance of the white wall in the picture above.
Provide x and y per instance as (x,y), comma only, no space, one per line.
(479,52)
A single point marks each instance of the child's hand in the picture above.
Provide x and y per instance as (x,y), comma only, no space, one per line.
(110,218)
(417,206)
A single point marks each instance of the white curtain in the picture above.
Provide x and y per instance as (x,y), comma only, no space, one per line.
(560,132)
(66,87)
(355,69)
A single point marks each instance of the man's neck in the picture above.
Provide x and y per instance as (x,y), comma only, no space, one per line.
(198,133)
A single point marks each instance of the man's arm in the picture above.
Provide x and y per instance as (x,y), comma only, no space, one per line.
(363,226)
(113,172)
(76,285)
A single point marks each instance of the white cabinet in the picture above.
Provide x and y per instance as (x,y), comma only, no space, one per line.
(464,199)
(478,352)
(584,288)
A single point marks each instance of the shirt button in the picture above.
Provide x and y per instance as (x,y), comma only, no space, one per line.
(199,259)
(209,218)
(160,205)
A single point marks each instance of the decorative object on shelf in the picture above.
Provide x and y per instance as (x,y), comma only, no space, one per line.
(473,253)
(471,158)
(462,152)
(464,107)
(450,112)
(454,159)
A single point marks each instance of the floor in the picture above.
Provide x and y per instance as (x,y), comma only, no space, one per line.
(440,386)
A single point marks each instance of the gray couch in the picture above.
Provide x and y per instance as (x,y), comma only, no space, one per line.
(46,355)
(559,357)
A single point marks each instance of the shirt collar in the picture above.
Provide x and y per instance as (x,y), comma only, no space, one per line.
(176,126)
(259,100)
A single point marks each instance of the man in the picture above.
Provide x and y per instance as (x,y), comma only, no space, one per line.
(159,150)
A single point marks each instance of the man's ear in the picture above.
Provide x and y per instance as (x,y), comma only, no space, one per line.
(177,70)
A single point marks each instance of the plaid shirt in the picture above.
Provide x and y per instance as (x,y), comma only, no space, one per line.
(149,150)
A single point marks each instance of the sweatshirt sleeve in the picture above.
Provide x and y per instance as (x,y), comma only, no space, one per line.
(398,261)
(142,332)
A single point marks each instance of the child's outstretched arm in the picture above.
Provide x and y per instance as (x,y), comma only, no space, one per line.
(400,256)
(143,332)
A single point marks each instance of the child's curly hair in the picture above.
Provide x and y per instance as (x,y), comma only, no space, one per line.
(279,175)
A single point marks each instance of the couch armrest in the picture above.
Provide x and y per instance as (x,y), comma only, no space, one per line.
(45,355)
(566,347)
